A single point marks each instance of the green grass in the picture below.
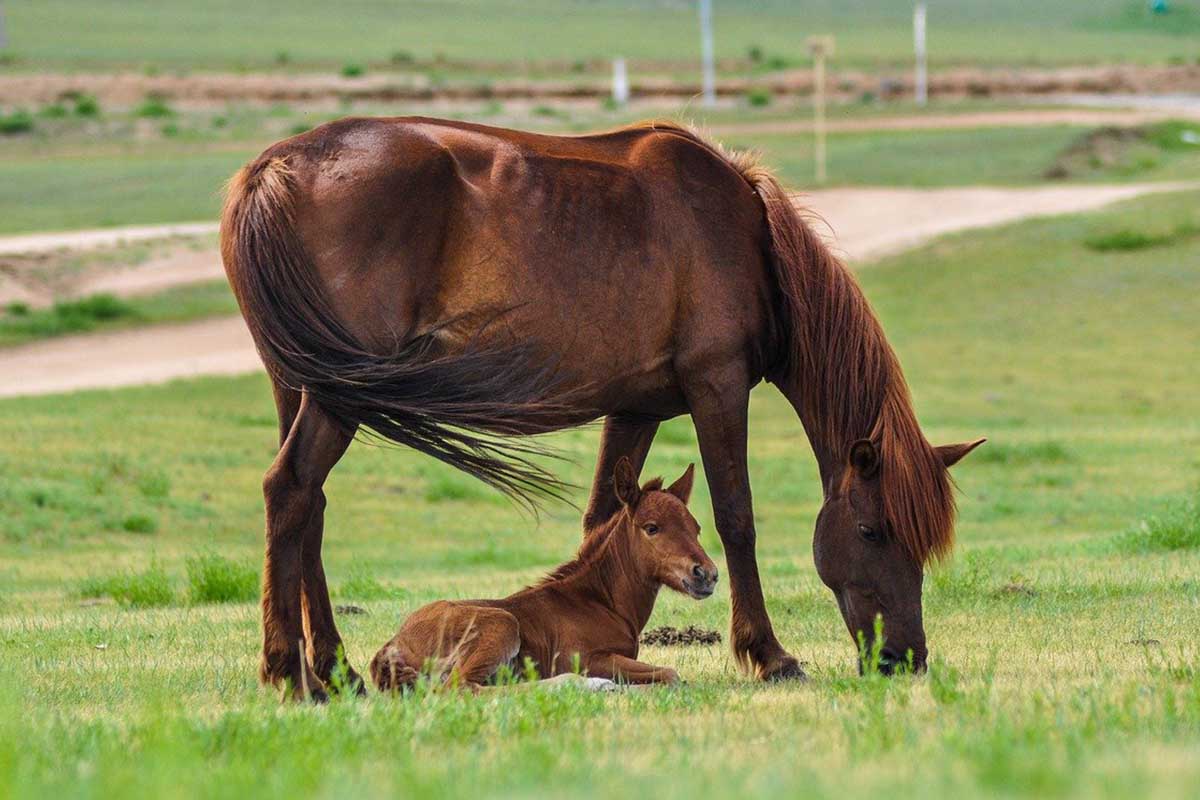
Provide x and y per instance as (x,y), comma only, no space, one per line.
(20,324)
(1063,665)
(307,34)
(212,578)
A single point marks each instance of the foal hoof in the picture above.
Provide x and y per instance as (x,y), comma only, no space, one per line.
(599,685)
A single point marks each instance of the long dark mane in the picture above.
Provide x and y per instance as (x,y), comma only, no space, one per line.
(845,373)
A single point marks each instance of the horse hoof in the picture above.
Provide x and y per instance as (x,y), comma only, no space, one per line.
(599,685)
(786,668)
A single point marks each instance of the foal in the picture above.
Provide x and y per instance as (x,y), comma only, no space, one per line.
(587,614)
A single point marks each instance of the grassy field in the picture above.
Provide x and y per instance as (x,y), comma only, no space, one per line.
(1064,659)
(121,168)
(224,34)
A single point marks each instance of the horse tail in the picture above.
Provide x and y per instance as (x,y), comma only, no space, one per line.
(459,408)
(391,672)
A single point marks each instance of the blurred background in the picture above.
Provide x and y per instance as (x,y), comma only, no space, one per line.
(136,424)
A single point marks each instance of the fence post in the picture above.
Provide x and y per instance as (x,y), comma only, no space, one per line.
(820,47)
(620,82)
(921,83)
(706,53)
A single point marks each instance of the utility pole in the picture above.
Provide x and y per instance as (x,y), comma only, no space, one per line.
(921,82)
(706,53)
(821,47)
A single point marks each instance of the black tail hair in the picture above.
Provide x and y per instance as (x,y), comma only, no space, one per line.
(457,408)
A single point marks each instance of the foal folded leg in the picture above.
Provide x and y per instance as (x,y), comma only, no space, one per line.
(622,436)
(719,410)
(295,502)
(623,669)
(491,638)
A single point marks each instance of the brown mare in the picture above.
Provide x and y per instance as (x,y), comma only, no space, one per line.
(588,613)
(452,287)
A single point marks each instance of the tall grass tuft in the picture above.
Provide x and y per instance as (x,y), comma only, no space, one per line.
(150,588)
(212,578)
(1177,528)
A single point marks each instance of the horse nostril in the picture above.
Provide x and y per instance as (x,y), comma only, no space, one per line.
(698,572)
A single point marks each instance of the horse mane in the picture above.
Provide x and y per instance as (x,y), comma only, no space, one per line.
(842,373)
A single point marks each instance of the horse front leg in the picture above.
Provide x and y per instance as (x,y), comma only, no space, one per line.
(622,436)
(295,504)
(719,411)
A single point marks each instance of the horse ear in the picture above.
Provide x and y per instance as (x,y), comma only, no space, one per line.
(625,483)
(951,454)
(682,488)
(864,458)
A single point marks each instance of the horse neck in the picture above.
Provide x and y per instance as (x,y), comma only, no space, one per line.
(618,580)
(841,375)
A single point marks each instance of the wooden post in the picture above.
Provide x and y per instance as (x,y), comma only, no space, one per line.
(921,83)
(820,47)
(709,76)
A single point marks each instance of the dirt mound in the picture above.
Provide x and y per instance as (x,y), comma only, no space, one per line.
(667,636)
(1102,148)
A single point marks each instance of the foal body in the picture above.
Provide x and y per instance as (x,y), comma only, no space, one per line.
(587,614)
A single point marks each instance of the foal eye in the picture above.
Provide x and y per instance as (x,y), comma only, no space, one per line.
(651,528)
(868,533)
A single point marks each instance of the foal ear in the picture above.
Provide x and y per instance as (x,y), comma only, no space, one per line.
(951,454)
(682,488)
(625,483)
(864,458)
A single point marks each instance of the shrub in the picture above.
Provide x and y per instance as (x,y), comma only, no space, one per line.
(754,53)
(212,578)
(154,107)
(402,57)
(148,589)
(283,57)
(139,523)
(19,121)
(54,111)
(17,309)
(352,70)
(1178,528)
(86,106)
(759,97)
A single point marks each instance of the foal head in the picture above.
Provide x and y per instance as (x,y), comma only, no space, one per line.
(665,537)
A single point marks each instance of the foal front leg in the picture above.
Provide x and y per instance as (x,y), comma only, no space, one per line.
(719,410)
(295,502)
(623,669)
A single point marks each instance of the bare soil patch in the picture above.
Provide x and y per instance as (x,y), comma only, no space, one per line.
(129,88)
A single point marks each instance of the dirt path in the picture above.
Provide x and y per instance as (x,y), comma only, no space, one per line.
(869,223)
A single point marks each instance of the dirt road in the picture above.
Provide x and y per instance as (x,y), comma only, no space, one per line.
(869,223)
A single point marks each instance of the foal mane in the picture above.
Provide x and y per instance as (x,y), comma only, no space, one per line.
(841,371)
(594,543)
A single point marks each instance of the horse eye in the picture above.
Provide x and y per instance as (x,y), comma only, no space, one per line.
(651,528)
(868,533)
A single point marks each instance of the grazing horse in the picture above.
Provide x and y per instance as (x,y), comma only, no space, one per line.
(455,287)
(588,614)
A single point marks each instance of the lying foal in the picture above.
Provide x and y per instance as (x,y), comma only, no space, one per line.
(588,613)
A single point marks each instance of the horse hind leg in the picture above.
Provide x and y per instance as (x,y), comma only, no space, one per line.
(295,505)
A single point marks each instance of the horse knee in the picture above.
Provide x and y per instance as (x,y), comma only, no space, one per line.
(290,501)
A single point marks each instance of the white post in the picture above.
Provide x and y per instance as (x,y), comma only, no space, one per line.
(921,83)
(821,47)
(706,53)
(620,84)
